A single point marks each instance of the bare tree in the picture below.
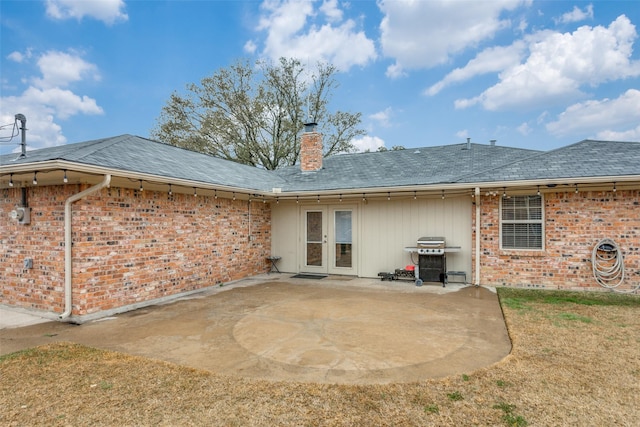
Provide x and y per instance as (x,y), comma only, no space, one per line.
(254,113)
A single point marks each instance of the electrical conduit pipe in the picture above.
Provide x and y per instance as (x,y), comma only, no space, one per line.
(477,278)
(67,242)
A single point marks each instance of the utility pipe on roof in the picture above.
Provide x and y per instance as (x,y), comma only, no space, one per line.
(68,273)
(477,278)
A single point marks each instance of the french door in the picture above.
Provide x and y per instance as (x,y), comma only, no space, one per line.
(328,236)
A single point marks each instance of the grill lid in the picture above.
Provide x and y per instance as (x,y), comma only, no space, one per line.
(431,242)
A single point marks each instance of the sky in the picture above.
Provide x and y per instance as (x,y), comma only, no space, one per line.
(528,74)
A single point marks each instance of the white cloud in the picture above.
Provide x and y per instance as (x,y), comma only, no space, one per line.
(488,61)
(460,104)
(542,117)
(367,143)
(576,15)
(523,25)
(605,117)
(108,11)
(524,129)
(61,69)
(62,102)
(42,130)
(284,18)
(20,57)
(250,47)
(419,34)
(383,118)
(464,133)
(48,100)
(331,10)
(295,30)
(395,71)
(559,64)
(16,56)
(628,135)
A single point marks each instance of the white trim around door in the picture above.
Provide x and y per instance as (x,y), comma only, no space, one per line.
(329,239)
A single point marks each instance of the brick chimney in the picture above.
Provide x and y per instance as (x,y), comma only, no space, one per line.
(311,149)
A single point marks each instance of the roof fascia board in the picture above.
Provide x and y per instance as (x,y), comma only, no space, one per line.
(100,170)
(558,181)
(461,186)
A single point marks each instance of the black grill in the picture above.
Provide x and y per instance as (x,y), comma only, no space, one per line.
(432,268)
(432,260)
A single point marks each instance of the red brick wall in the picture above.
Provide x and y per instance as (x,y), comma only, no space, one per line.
(43,241)
(129,246)
(311,151)
(574,224)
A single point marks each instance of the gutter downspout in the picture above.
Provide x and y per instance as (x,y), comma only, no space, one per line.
(477,278)
(67,242)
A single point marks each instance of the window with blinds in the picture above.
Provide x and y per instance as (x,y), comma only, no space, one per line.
(521,222)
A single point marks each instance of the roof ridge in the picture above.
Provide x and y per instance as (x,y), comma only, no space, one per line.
(198,153)
(535,153)
(101,144)
(541,154)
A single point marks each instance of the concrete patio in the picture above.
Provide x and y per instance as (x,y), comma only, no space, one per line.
(274,327)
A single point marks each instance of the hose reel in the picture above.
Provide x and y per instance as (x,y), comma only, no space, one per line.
(608,264)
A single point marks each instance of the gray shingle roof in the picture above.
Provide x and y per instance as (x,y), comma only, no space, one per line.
(136,154)
(585,159)
(448,164)
(416,166)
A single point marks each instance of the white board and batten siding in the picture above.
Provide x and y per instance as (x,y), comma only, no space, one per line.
(285,231)
(385,228)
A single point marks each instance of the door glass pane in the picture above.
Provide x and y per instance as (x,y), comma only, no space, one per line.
(343,239)
(314,238)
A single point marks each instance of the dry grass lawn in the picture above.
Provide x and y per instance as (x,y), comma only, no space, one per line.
(575,361)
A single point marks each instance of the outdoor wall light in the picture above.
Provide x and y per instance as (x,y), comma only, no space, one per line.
(340,197)
(35,178)
(538,190)
(195,192)
(141,187)
(576,188)
(215,194)
(364,199)
(442,194)
(388,195)
(415,195)
(11,181)
(65,179)
(170,190)
(614,187)
(234,195)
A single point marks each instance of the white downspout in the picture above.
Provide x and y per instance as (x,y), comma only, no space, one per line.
(477,278)
(67,242)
